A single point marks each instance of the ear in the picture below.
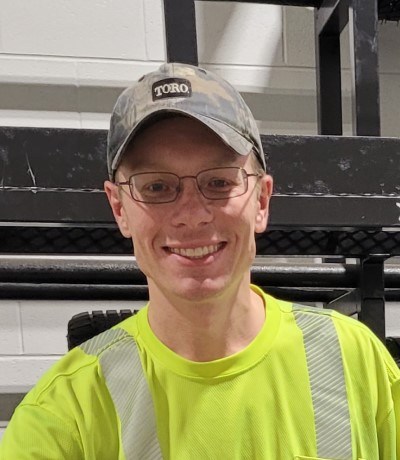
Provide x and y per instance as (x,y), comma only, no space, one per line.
(266,183)
(117,208)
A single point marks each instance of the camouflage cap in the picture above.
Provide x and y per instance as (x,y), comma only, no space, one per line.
(187,90)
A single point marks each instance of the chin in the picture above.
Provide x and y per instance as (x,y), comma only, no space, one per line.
(199,290)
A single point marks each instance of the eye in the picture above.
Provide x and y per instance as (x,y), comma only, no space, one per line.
(156,187)
(219,183)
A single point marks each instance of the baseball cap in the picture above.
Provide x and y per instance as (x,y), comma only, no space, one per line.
(188,90)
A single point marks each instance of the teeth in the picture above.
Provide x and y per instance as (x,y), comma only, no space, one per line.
(196,253)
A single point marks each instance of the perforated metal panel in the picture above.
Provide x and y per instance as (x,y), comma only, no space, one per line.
(85,240)
(63,240)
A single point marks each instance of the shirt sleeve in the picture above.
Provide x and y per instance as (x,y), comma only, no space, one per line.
(35,433)
(396,401)
(389,431)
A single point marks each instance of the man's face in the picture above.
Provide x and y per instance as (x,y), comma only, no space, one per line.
(193,248)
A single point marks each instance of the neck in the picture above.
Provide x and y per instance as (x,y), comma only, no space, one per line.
(207,330)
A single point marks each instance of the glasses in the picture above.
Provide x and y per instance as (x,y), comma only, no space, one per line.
(213,184)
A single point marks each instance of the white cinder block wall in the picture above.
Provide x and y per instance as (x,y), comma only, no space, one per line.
(64,62)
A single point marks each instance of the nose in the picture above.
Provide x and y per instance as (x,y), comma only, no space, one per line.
(191,208)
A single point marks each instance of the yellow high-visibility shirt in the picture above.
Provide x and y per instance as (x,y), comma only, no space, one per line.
(313,384)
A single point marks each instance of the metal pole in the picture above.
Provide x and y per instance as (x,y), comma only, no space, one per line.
(364,38)
(180,31)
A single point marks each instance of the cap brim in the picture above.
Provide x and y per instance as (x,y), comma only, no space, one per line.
(227,134)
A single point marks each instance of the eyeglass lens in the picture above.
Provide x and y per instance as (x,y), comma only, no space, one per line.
(214,184)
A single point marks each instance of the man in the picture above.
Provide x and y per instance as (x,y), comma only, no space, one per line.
(212,367)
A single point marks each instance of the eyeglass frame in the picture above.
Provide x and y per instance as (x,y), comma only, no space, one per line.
(245,174)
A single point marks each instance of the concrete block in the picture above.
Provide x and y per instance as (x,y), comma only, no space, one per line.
(390,104)
(10,328)
(154,30)
(20,373)
(239,33)
(93,28)
(37,70)
(392,319)
(388,47)
(285,106)
(44,97)
(39,98)
(44,323)
(56,71)
(267,79)
(40,119)
(299,38)
(90,120)
(345,49)
(116,74)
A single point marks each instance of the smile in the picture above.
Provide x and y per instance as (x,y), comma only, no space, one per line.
(196,253)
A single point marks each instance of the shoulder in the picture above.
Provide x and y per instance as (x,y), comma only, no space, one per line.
(71,408)
(81,368)
(324,330)
(359,346)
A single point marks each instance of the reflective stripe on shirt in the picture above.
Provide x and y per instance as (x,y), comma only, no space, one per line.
(327,382)
(120,362)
